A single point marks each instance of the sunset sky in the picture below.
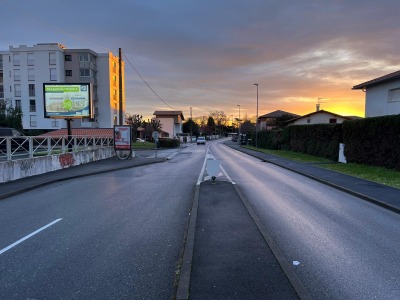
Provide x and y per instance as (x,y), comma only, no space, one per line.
(207,54)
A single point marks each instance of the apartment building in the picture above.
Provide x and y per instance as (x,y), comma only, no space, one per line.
(23,70)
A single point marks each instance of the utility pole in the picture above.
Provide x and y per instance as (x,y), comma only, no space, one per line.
(120,88)
(256,84)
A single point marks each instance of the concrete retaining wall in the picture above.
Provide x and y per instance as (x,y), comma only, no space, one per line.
(21,168)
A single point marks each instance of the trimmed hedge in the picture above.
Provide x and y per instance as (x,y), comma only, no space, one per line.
(373,141)
(168,143)
(318,140)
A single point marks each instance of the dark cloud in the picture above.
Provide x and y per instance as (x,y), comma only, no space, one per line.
(207,53)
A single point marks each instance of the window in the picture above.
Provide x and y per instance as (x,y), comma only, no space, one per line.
(84,72)
(394,95)
(31,74)
(32,105)
(114,95)
(115,121)
(115,108)
(68,57)
(17,75)
(1,76)
(333,121)
(68,72)
(31,59)
(32,121)
(54,123)
(53,74)
(309,121)
(1,62)
(18,104)
(114,78)
(32,90)
(2,105)
(83,56)
(16,59)
(52,58)
(17,90)
(1,91)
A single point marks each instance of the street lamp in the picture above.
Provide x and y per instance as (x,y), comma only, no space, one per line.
(239,138)
(256,84)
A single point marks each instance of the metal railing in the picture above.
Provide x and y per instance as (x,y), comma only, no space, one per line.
(12,148)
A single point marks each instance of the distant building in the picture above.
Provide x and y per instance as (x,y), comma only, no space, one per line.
(171,122)
(318,117)
(382,95)
(23,70)
(268,121)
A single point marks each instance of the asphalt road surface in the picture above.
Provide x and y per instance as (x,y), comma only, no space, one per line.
(341,247)
(120,235)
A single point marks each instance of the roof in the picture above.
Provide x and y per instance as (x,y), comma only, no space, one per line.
(169,113)
(106,132)
(379,80)
(277,114)
(317,112)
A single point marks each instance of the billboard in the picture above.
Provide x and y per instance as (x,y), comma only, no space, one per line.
(67,100)
(122,137)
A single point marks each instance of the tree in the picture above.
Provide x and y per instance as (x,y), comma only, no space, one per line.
(247,127)
(11,117)
(190,127)
(135,121)
(151,126)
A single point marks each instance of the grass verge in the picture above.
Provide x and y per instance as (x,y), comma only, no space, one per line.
(376,174)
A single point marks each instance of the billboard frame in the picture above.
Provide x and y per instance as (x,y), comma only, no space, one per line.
(63,114)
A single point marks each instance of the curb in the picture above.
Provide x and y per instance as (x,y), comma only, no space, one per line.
(340,188)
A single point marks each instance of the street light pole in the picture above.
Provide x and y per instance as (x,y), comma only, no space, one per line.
(239,138)
(256,84)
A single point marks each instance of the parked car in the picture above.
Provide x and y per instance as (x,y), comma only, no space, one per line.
(139,140)
(201,140)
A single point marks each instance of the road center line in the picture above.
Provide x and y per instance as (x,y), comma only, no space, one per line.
(28,236)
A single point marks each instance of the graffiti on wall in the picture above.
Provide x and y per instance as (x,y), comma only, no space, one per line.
(66,160)
(26,165)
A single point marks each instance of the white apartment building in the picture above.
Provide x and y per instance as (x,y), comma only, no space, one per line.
(23,70)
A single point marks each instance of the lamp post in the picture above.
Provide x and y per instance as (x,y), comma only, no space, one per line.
(239,138)
(256,84)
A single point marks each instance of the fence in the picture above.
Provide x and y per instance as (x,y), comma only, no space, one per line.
(12,148)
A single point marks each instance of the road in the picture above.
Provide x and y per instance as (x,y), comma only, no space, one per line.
(346,248)
(120,235)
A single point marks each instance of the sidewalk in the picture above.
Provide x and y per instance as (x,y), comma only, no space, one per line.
(376,193)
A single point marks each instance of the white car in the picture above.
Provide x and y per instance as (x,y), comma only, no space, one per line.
(201,140)
(140,140)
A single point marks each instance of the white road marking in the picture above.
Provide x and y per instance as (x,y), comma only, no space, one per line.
(28,236)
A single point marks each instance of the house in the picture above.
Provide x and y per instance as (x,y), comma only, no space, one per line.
(268,121)
(171,122)
(382,95)
(318,117)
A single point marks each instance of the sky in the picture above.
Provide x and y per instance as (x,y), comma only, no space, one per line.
(207,54)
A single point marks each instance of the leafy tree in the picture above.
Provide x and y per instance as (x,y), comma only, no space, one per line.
(11,117)
(135,121)
(190,126)
(247,127)
(280,121)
